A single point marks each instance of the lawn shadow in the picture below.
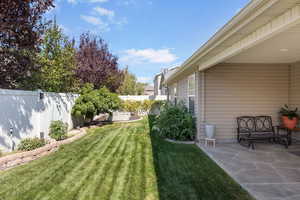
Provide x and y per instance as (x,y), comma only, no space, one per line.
(184,172)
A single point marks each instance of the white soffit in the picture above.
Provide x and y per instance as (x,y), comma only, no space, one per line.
(278,25)
(282,48)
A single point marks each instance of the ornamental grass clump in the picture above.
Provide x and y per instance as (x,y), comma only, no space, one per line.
(175,122)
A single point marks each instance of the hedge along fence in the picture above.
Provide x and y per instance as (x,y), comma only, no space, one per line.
(140,108)
(14,160)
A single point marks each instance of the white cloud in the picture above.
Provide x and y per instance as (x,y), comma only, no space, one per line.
(72,1)
(144,79)
(96,22)
(104,12)
(148,56)
(126,2)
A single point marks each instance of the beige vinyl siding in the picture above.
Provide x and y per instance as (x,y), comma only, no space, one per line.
(199,105)
(171,92)
(295,85)
(233,90)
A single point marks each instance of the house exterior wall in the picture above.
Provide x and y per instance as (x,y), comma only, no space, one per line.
(199,103)
(157,82)
(295,85)
(171,92)
(233,90)
(182,91)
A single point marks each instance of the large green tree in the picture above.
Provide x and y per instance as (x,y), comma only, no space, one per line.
(57,59)
(130,85)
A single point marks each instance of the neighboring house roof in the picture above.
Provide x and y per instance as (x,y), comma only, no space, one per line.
(167,72)
(255,23)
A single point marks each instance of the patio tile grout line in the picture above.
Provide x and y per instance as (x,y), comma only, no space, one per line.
(227,171)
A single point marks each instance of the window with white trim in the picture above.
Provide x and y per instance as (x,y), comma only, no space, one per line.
(191,93)
(175,93)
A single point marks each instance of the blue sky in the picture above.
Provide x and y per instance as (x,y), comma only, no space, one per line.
(147,35)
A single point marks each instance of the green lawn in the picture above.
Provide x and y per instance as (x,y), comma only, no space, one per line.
(120,161)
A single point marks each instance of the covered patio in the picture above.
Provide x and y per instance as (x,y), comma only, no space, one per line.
(254,76)
(270,172)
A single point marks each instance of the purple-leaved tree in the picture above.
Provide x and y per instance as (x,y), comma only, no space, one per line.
(21,29)
(96,64)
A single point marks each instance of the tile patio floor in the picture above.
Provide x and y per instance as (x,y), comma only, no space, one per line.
(270,172)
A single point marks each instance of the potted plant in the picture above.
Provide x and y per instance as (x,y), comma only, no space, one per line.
(289,117)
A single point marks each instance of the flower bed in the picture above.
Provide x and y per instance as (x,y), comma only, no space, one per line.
(14,160)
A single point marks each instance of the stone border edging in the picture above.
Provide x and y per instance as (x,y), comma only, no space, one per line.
(180,142)
(10,161)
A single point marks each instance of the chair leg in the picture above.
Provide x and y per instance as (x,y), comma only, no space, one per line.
(251,145)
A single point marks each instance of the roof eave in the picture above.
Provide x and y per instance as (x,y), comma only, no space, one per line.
(250,7)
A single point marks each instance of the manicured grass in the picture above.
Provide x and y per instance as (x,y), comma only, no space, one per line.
(118,162)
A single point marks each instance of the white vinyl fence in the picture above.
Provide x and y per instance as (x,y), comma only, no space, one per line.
(143,98)
(28,114)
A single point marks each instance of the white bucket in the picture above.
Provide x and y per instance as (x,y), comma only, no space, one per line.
(210,131)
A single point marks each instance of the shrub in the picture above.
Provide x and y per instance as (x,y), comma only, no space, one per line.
(58,130)
(131,106)
(31,144)
(156,107)
(152,121)
(138,106)
(175,122)
(93,102)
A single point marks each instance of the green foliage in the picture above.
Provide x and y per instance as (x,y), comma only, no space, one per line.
(137,106)
(140,88)
(126,163)
(175,122)
(58,130)
(87,87)
(31,144)
(286,111)
(130,85)
(58,64)
(94,102)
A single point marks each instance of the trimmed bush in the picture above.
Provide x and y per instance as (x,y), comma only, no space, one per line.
(94,102)
(31,144)
(175,122)
(58,130)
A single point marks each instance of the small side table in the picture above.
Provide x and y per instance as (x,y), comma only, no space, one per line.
(210,142)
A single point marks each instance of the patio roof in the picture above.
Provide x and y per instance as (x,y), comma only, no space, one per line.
(259,21)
